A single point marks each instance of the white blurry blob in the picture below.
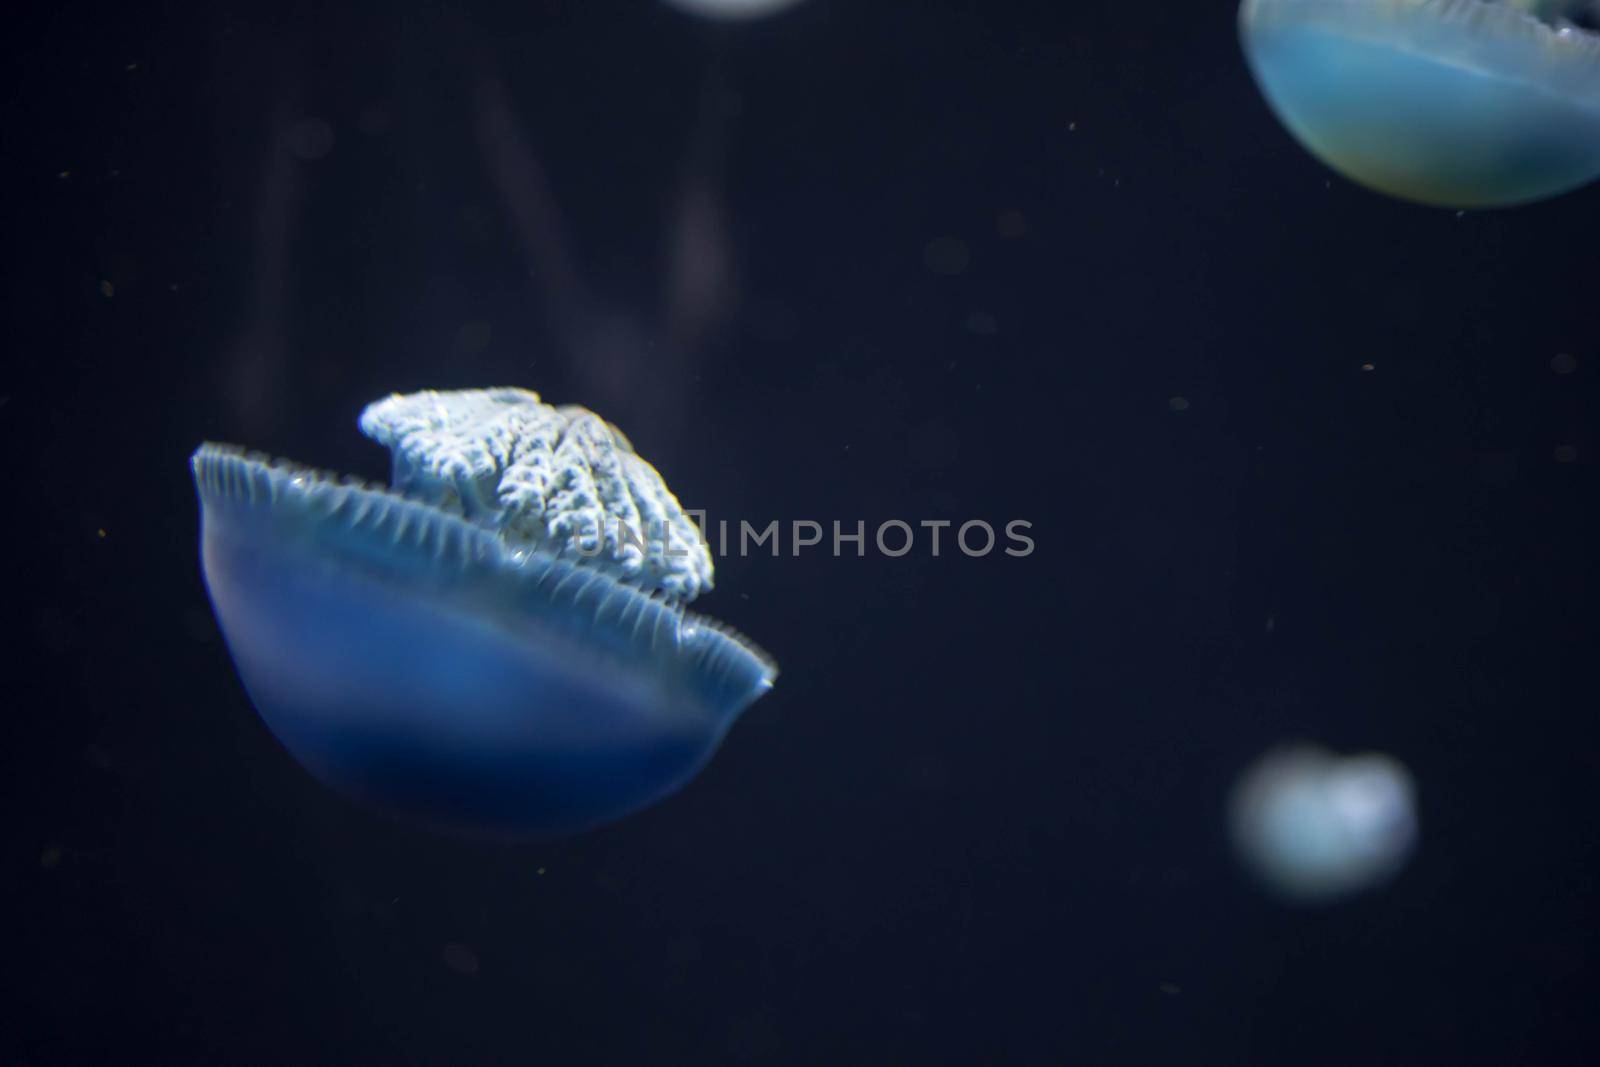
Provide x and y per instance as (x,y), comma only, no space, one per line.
(1314,826)
(732,9)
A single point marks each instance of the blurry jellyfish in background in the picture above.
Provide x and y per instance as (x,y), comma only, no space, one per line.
(1453,103)
(495,645)
(1314,826)
(733,9)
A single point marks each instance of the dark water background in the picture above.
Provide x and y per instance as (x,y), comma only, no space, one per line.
(998,260)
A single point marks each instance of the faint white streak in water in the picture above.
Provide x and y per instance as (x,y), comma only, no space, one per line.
(256,358)
(1315,826)
(640,365)
(701,278)
(520,179)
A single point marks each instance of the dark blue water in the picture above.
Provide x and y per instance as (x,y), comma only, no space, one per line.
(1299,462)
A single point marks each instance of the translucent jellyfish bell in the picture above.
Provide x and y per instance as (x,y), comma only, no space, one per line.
(1457,103)
(1315,826)
(497,645)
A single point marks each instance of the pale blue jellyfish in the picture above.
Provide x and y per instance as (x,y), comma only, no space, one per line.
(1458,103)
(497,644)
(1314,826)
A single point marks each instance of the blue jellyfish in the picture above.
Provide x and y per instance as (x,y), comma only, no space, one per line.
(497,644)
(1314,826)
(1455,103)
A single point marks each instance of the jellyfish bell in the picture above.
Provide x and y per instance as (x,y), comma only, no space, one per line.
(496,644)
(1314,826)
(1453,103)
